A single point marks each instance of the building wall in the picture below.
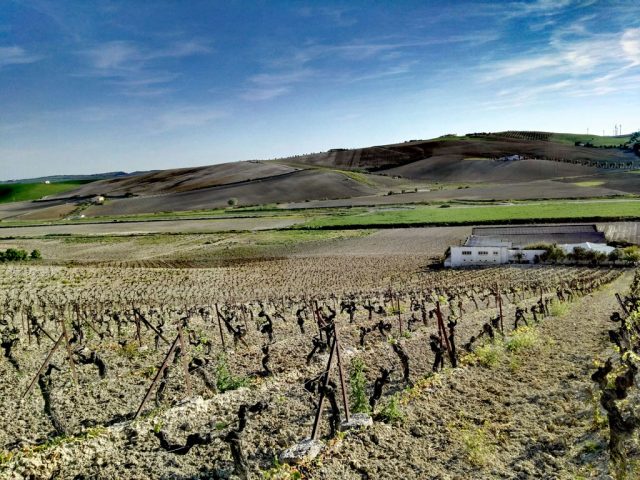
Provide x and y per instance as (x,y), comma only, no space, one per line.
(462,256)
(528,255)
(469,256)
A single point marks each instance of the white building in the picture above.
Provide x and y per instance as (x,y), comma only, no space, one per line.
(495,245)
(490,255)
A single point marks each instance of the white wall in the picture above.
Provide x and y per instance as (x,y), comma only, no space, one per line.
(461,256)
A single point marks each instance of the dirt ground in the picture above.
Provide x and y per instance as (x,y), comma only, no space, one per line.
(527,416)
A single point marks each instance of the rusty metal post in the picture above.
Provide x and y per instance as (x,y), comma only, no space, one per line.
(343,386)
(224,347)
(44,365)
(157,377)
(325,382)
(69,352)
(499,299)
(183,355)
(442,328)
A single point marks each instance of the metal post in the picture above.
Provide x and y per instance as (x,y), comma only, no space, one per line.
(343,387)
(157,377)
(185,365)
(325,382)
(44,365)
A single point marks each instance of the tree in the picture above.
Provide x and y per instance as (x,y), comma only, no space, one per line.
(35,255)
(615,255)
(631,254)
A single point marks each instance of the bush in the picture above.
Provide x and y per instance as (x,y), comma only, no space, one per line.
(35,255)
(358,387)
(224,378)
(13,255)
(232,202)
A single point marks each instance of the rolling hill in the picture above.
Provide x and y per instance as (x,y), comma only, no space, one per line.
(510,159)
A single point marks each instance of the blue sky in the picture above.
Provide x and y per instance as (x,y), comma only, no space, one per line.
(91,86)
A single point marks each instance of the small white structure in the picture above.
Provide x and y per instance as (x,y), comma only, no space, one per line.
(98,200)
(47,182)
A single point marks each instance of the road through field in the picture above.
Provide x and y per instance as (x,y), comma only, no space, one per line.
(165,226)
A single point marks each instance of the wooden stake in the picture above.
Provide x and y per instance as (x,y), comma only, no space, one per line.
(185,364)
(224,347)
(325,382)
(44,365)
(69,352)
(343,387)
(157,377)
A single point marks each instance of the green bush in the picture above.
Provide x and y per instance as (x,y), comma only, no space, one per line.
(358,387)
(13,255)
(225,380)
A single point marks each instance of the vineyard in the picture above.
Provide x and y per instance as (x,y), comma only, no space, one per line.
(213,373)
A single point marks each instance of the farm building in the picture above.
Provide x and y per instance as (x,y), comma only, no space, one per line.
(516,244)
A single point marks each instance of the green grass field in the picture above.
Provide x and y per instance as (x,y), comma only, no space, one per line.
(20,192)
(596,140)
(426,215)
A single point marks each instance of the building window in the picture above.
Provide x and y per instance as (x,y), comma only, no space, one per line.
(496,253)
(483,252)
(466,252)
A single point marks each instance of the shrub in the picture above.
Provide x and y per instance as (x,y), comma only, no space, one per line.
(391,412)
(225,380)
(358,387)
(488,355)
(35,255)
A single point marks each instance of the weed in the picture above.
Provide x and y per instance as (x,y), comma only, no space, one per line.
(358,386)
(558,309)
(476,444)
(489,355)
(391,412)
(600,421)
(522,339)
(225,380)
(282,471)
(591,446)
(5,456)
(157,426)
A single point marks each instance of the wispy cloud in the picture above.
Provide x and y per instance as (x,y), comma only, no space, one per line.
(349,62)
(15,55)
(574,63)
(266,86)
(136,69)
(338,16)
(186,117)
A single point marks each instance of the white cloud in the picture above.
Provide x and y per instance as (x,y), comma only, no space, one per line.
(630,43)
(135,68)
(184,117)
(16,56)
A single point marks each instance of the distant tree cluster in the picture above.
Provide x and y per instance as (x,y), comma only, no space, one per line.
(554,254)
(634,143)
(17,255)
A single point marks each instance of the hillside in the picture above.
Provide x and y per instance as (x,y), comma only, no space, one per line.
(417,170)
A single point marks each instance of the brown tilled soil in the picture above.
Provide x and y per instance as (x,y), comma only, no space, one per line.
(532,416)
(528,416)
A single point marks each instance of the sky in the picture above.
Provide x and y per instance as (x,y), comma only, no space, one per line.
(89,86)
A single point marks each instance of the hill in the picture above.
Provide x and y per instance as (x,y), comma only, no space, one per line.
(524,164)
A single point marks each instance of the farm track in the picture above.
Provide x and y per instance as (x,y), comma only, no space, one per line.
(537,417)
